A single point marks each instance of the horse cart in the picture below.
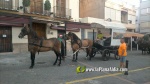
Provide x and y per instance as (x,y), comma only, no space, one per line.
(111,44)
(105,51)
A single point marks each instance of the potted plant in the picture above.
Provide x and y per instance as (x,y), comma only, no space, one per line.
(47,7)
(26,4)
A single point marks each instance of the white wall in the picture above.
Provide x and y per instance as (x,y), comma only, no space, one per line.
(132,18)
(20,3)
(15,32)
(74,6)
(50,33)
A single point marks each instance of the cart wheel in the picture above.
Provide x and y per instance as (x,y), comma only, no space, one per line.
(93,52)
(116,55)
(105,55)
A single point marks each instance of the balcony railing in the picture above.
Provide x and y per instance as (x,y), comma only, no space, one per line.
(9,5)
(62,12)
(37,8)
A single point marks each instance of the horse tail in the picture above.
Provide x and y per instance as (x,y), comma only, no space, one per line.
(62,50)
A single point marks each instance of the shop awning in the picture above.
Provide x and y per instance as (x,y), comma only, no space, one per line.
(10,24)
(109,25)
(72,26)
(78,25)
(14,20)
(7,19)
(132,34)
(63,28)
(130,26)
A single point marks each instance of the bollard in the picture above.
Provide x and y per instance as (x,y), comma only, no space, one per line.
(126,72)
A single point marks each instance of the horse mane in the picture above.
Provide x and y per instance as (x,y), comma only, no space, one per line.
(34,33)
(75,36)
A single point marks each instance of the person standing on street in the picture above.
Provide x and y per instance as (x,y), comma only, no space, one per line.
(122,52)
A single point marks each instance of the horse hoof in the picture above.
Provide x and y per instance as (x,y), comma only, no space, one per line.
(31,67)
(58,64)
(73,60)
(54,64)
(90,59)
(86,58)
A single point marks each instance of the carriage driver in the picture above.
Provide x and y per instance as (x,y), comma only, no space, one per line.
(122,52)
(100,37)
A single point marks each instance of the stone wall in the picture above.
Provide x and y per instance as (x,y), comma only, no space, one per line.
(20,47)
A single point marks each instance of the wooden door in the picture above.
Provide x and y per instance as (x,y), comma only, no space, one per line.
(36,6)
(61,8)
(5,39)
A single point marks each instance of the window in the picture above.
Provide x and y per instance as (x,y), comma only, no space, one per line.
(124,16)
(145,25)
(90,35)
(61,8)
(82,33)
(117,35)
(145,11)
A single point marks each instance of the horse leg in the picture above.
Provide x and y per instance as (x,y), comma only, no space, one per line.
(32,59)
(87,53)
(76,56)
(56,58)
(59,59)
(73,56)
(142,51)
(90,54)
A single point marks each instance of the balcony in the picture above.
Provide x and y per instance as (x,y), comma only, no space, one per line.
(37,8)
(12,5)
(62,12)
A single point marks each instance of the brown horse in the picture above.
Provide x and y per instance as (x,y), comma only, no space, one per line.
(144,43)
(78,44)
(37,44)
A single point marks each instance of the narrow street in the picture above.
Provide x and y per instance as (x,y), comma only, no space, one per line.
(14,69)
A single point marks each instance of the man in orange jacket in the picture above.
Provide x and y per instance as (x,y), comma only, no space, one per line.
(122,52)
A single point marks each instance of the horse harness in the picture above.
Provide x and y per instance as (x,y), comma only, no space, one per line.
(75,41)
(41,44)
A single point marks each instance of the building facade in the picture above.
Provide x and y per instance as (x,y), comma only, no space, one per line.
(60,11)
(120,11)
(144,17)
(108,10)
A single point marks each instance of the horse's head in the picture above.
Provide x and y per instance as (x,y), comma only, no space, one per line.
(69,35)
(72,36)
(65,36)
(24,31)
